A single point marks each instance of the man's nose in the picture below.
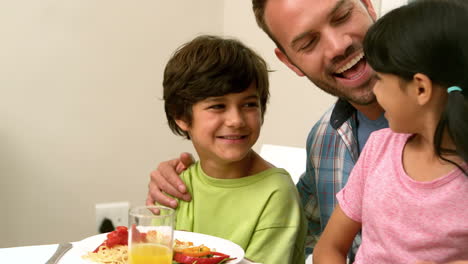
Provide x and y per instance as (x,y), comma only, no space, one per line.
(336,44)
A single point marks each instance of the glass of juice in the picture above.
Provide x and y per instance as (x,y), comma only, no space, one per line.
(151,234)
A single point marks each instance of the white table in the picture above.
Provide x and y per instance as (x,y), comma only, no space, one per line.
(29,254)
(38,254)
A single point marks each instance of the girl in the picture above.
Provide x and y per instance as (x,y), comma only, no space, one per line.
(407,193)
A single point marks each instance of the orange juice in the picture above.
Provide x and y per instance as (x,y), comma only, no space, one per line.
(150,254)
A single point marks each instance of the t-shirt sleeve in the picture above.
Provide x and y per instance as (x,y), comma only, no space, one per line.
(281,229)
(350,197)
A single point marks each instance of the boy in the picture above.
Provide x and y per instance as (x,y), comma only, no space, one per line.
(215,93)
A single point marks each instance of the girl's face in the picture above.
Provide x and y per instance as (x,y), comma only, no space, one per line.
(400,108)
(225,128)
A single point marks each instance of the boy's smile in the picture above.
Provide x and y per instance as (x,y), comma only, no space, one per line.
(225,128)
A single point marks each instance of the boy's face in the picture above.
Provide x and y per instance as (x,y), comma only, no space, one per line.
(225,128)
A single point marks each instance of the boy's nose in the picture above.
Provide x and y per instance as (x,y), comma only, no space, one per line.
(235,118)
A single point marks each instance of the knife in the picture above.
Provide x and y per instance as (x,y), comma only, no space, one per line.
(61,250)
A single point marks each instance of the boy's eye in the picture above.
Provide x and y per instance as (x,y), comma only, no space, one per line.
(216,106)
(252,104)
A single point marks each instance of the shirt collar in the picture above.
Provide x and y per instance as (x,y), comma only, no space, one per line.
(342,111)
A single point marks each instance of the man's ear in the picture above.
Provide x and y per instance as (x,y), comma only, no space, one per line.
(283,58)
(370,9)
(182,124)
(422,88)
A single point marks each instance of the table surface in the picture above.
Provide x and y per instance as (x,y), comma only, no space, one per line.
(39,254)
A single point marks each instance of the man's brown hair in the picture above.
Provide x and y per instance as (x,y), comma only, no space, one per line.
(210,66)
(258,7)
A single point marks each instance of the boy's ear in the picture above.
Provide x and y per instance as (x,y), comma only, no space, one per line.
(182,124)
(284,59)
(422,88)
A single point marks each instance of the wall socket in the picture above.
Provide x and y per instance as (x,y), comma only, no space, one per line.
(116,212)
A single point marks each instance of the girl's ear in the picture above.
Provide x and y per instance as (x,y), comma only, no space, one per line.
(182,124)
(422,88)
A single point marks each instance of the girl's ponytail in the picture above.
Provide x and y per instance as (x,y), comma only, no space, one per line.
(455,119)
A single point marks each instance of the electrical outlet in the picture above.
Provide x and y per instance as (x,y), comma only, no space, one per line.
(116,212)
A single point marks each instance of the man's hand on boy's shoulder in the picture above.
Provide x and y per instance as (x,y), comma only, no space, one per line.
(166,180)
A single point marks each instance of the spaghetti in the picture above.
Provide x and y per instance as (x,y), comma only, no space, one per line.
(115,255)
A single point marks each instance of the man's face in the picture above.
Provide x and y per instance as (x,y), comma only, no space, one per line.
(322,40)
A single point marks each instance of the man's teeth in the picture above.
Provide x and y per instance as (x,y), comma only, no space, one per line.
(351,63)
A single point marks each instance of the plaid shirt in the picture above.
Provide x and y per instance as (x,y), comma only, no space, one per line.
(332,151)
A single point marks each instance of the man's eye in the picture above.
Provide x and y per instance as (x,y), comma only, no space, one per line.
(307,45)
(342,17)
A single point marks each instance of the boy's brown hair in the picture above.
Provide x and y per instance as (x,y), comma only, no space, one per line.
(210,66)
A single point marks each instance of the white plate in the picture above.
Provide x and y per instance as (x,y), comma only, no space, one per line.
(218,244)
(74,255)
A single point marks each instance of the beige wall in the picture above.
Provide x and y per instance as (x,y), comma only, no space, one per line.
(82,121)
(81,117)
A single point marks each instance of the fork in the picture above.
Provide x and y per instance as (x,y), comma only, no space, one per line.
(61,250)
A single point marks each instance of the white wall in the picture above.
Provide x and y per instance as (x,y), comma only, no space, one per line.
(388,5)
(82,119)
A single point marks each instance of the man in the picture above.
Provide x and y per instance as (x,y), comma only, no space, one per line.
(321,40)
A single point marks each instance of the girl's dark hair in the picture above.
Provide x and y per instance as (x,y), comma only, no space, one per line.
(429,37)
(210,66)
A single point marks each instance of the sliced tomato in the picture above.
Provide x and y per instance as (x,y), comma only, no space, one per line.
(122,230)
(116,237)
(137,236)
(97,249)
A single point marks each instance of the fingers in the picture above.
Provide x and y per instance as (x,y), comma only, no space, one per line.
(186,159)
(155,195)
(149,199)
(168,179)
(159,187)
(165,180)
(151,202)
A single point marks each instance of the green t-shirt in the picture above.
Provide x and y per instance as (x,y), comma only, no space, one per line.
(261,213)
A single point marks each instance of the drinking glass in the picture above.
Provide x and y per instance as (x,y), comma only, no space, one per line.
(151,234)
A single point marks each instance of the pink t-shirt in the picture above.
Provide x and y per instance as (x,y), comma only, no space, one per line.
(404,220)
